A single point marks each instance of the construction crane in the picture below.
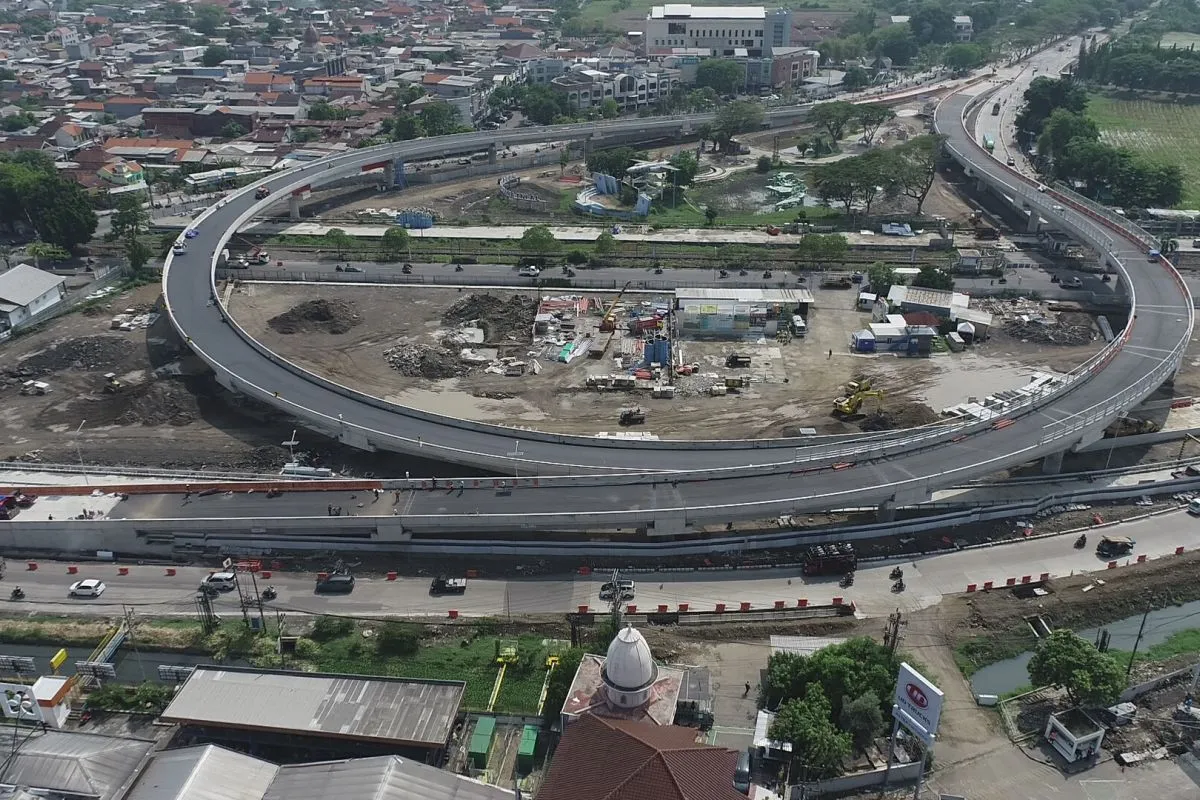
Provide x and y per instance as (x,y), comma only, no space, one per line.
(849,406)
(607,323)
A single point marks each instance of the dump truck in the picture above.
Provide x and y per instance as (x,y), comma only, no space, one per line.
(737,361)
(112,384)
(830,559)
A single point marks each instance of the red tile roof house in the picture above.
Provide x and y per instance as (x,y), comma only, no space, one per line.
(613,759)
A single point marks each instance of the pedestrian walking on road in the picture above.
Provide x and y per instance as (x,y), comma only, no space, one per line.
(830,354)
(747,692)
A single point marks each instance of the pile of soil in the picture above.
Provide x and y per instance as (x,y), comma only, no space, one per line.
(910,415)
(500,318)
(164,402)
(316,316)
(424,361)
(84,353)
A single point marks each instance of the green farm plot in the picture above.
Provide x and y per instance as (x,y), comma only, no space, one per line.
(1169,132)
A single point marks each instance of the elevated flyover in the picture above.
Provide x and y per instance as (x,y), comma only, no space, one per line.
(573,482)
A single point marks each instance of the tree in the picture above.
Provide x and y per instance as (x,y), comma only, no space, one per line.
(339,240)
(964,56)
(764,164)
(932,24)
(232,130)
(856,78)
(439,118)
(606,244)
(844,671)
(208,19)
(721,75)
(736,117)
(130,217)
(394,244)
(930,277)
(833,117)
(321,111)
(862,719)
(897,43)
(405,126)
(214,54)
(1088,676)
(397,639)
(39,250)
(880,278)
(711,212)
(564,158)
(609,109)
(137,253)
(917,160)
(1046,94)
(1062,128)
(538,240)
(705,132)
(871,118)
(808,724)
(821,249)
(686,166)
(614,161)
(559,683)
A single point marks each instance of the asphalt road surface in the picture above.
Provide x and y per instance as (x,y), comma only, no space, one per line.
(151,592)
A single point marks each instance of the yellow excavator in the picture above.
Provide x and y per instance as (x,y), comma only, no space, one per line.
(607,323)
(849,406)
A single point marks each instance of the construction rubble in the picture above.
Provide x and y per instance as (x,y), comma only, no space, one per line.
(1035,322)
(414,360)
(317,316)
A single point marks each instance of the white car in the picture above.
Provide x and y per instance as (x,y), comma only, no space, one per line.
(179,248)
(529,272)
(88,588)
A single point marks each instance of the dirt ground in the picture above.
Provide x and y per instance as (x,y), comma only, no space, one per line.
(403,346)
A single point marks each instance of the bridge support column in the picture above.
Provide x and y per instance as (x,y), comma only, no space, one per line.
(1052,464)
(980,185)
(587,145)
(886,511)
(389,174)
(1034,223)
(294,208)
(492,154)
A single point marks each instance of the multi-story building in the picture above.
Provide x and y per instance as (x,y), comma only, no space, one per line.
(588,88)
(964,29)
(725,31)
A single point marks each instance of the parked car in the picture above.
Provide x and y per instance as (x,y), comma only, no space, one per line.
(221,581)
(529,272)
(338,583)
(87,588)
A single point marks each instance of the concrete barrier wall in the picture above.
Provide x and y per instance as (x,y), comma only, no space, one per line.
(859,780)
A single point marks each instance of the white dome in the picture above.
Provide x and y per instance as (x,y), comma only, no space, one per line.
(629,666)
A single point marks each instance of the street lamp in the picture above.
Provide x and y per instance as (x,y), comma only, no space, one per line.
(79,451)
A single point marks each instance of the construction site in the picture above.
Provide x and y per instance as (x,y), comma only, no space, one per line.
(688,363)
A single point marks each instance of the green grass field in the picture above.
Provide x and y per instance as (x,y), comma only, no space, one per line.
(1179,39)
(1169,132)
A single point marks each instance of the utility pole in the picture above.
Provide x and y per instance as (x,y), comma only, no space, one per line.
(279,640)
(131,629)
(891,631)
(1136,642)
(241,597)
(204,609)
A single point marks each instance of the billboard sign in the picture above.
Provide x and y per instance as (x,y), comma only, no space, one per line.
(918,703)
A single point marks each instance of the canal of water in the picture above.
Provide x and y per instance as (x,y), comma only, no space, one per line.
(1012,673)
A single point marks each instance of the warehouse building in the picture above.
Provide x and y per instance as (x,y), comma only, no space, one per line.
(721,313)
(299,716)
(27,291)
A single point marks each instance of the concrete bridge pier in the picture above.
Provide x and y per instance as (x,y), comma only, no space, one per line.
(1052,464)
(1034,222)
(294,208)
(492,153)
(981,185)
(587,145)
(389,174)
(886,511)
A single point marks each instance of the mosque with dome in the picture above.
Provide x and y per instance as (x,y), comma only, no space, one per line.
(626,683)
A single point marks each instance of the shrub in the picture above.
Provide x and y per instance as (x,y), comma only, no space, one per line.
(577,257)
(326,629)
(307,649)
(764,164)
(397,639)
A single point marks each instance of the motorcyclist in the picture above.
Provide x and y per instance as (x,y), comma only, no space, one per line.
(18,592)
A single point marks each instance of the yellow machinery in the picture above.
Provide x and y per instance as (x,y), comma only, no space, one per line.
(856,386)
(849,406)
(607,323)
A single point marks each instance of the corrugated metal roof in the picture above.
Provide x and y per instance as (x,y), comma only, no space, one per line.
(380,778)
(746,295)
(85,764)
(391,709)
(207,772)
(23,284)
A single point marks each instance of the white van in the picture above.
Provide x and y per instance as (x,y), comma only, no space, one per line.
(529,272)
(799,328)
(1194,507)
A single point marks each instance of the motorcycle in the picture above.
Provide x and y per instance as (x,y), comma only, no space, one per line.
(658,270)
(847,580)
(269,593)
(338,268)
(896,573)
(898,586)
(766,273)
(743,273)
(723,273)
(17,593)
(406,269)
(570,273)
(458,268)
(1081,542)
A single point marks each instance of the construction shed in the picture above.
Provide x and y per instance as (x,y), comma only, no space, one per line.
(720,313)
(287,716)
(527,750)
(481,742)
